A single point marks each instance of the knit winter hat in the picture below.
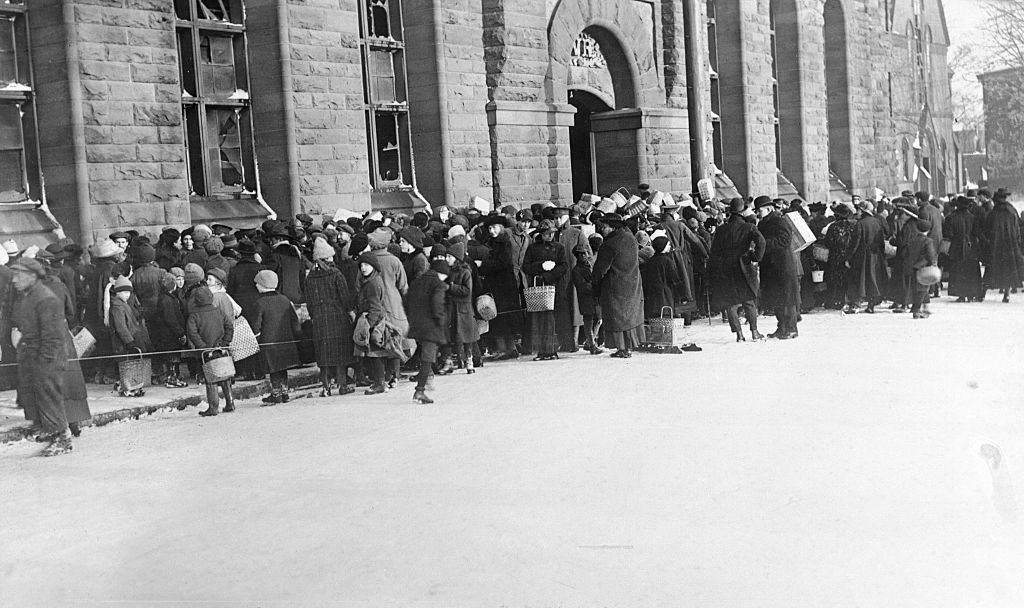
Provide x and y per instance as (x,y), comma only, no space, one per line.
(213,245)
(203,296)
(380,237)
(200,233)
(458,250)
(456,231)
(194,273)
(659,244)
(358,244)
(121,284)
(266,279)
(143,254)
(371,259)
(440,267)
(177,272)
(322,251)
(438,251)
(414,236)
(218,274)
(166,281)
(229,241)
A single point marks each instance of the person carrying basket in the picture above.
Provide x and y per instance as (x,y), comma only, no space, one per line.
(209,328)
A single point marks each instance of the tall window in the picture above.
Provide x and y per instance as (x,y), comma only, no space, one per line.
(389,143)
(19,156)
(906,159)
(775,86)
(716,99)
(215,98)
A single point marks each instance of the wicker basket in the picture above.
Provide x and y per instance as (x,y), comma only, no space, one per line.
(539,298)
(84,342)
(218,365)
(135,372)
(667,330)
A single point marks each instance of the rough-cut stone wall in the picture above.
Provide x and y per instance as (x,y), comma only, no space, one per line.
(461,84)
(320,41)
(128,75)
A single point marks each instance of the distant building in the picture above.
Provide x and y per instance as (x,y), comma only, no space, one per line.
(143,114)
(1004,125)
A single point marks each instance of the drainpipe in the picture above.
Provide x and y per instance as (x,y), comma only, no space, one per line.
(85,226)
(695,75)
(442,103)
(291,153)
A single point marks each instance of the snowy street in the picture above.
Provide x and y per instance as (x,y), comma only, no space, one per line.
(875,461)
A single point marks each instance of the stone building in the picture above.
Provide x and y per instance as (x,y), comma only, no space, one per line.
(1004,124)
(146,113)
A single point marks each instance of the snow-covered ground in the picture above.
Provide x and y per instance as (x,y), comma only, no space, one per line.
(871,462)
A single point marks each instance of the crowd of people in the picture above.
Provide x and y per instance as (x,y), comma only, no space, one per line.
(377,298)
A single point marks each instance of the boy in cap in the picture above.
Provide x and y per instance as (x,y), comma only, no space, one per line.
(128,332)
(920,252)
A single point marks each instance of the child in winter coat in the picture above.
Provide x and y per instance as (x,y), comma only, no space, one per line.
(920,252)
(660,276)
(128,332)
(168,331)
(590,309)
(208,327)
(428,321)
(277,328)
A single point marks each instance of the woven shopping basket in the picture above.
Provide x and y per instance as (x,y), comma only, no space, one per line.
(667,330)
(539,298)
(243,342)
(218,365)
(135,371)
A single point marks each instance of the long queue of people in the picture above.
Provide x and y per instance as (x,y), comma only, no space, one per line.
(377,298)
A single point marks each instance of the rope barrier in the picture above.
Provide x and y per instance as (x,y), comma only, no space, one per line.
(155,353)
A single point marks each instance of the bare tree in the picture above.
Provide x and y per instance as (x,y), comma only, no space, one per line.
(965,65)
(1005,23)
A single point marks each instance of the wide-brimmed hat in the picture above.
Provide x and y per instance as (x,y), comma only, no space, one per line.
(498,219)
(762,201)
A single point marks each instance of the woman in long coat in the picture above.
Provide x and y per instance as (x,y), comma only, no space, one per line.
(331,309)
(617,285)
(839,240)
(780,282)
(962,229)
(76,398)
(1004,262)
(545,264)
(868,275)
(499,280)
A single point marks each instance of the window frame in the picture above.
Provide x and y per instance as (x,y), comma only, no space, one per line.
(198,104)
(376,109)
(22,98)
(717,144)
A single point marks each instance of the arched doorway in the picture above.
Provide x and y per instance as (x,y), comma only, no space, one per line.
(581,141)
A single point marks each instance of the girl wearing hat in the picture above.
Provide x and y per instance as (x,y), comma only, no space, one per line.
(128,331)
(277,328)
(545,264)
(331,305)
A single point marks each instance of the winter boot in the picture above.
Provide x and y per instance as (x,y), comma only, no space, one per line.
(421,398)
(61,444)
(375,389)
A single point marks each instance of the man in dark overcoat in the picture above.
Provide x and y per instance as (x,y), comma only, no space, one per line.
(1004,261)
(688,251)
(617,286)
(868,273)
(42,356)
(568,318)
(732,268)
(963,231)
(780,281)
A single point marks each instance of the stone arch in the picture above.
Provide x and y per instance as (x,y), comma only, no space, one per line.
(837,88)
(625,41)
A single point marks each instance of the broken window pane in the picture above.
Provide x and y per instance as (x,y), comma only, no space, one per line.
(388,167)
(224,146)
(12,155)
(217,65)
(8,58)
(214,9)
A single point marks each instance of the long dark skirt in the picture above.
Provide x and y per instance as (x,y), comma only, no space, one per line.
(965,279)
(543,332)
(625,340)
(76,399)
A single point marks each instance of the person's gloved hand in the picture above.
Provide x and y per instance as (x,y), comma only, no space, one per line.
(130,346)
(548,266)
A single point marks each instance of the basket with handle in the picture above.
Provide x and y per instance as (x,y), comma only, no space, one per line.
(667,330)
(539,298)
(218,365)
(135,371)
(84,342)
